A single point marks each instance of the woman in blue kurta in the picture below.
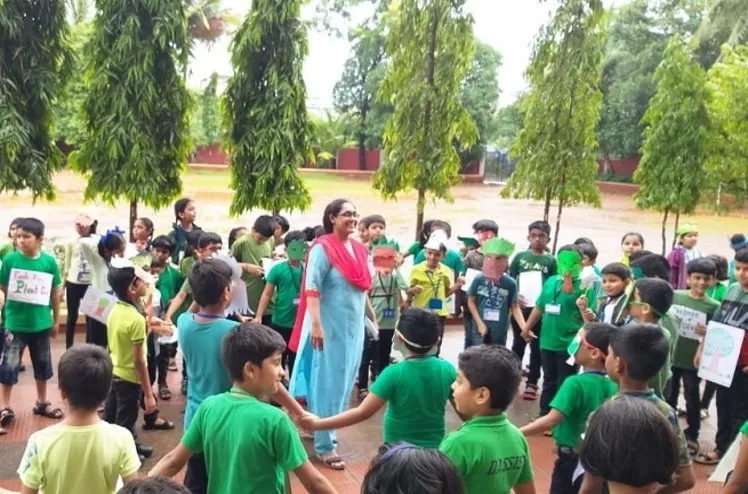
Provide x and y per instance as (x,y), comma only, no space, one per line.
(329,332)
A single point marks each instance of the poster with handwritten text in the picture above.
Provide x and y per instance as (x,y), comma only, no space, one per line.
(30,287)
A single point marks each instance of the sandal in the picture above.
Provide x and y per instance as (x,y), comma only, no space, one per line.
(6,416)
(43,409)
(333,461)
(165,425)
(531,392)
(711,458)
(173,366)
(164,392)
(693,447)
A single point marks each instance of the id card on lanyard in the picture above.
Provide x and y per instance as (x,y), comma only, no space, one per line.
(297,285)
(435,303)
(389,294)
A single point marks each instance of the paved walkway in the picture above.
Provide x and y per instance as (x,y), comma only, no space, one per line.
(358,444)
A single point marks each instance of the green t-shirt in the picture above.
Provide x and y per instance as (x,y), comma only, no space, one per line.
(248,444)
(717,292)
(744,428)
(29,285)
(385,296)
(685,348)
(490,453)
(415,248)
(168,284)
(670,330)
(6,249)
(452,260)
(578,397)
(562,319)
(527,261)
(287,281)
(416,391)
(246,250)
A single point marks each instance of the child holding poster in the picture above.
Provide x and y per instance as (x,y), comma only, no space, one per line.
(31,282)
(694,309)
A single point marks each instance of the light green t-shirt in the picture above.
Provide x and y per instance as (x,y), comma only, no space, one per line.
(578,397)
(248,444)
(125,327)
(29,285)
(287,282)
(562,319)
(685,348)
(491,455)
(385,296)
(435,283)
(246,250)
(6,249)
(416,391)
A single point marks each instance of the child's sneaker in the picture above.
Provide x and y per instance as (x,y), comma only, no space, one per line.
(531,392)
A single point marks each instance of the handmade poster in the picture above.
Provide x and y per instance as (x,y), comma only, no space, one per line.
(29,287)
(727,463)
(530,286)
(721,352)
(239,302)
(97,304)
(384,258)
(689,319)
(589,276)
(470,276)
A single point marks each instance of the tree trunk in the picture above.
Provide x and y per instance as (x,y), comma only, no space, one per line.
(558,224)
(675,231)
(133,217)
(419,212)
(276,212)
(547,207)
(664,226)
(361,151)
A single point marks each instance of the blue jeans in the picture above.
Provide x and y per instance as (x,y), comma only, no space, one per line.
(41,356)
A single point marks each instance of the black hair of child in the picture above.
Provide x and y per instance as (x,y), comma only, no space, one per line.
(333,209)
(634,256)
(110,242)
(741,256)
(282,222)
(209,279)
(121,279)
(494,367)
(643,347)
(598,335)
(653,266)
(442,225)
(180,206)
(233,234)
(164,242)
(13,223)
(617,269)
(657,293)
(373,219)
(313,232)
(192,240)
(634,234)
(629,442)
(571,248)
(265,225)
(723,267)
(584,240)
(425,232)
(209,238)
(153,485)
(486,226)
(419,326)
(148,226)
(588,250)
(84,374)
(702,265)
(294,235)
(404,469)
(249,342)
(33,226)
(541,225)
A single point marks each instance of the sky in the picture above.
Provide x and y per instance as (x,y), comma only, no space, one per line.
(509,26)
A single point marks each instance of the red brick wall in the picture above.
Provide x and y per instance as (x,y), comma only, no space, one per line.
(625,166)
(210,155)
(348,159)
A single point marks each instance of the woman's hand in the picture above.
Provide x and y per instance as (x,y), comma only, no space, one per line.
(318,336)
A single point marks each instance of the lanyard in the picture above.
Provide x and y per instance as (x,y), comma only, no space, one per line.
(387,293)
(209,316)
(436,286)
(296,285)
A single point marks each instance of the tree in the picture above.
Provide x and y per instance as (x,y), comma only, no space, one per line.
(331,134)
(424,85)
(506,125)
(35,62)
(207,20)
(355,92)
(480,91)
(557,146)
(726,16)
(265,111)
(137,104)
(211,121)
(671,172)
(727,142)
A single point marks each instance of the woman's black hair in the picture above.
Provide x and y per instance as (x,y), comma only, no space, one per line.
(180,206)
(634,234)
(630,442)
(148,226)
(234,233)
(333,209)
(722,265)
(405,469)
(109,242)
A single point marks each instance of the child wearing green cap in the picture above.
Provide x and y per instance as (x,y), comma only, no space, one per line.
(684,252)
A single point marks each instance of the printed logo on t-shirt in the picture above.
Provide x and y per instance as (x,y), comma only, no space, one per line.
(508,464)
(734,313)
(532,266)
(496,297)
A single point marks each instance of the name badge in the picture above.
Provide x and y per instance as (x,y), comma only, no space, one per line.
(388,313)
(553,309)
(435,304)
(296,301)
(491,315)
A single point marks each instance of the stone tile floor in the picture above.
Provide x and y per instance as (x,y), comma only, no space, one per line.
(358,444)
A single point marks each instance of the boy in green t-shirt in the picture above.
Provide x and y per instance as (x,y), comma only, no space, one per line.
(490,453)
(283,284)
(561,320)
(578,397)
(534,260)
(700,275)
(248,444)
(636,354)
(249,251)
(376,227)
(415,390)
(31,282)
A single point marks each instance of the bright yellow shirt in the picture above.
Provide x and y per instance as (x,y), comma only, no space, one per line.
(125,328)
(435,284)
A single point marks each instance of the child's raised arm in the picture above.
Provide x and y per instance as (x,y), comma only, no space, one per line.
(175,304)
(544,423)
(371,404)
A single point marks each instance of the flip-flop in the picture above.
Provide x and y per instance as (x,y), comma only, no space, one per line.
(6,416)
(693,447)
(163,426)
(333,462)
(711,458)
(44,410)
(164,393)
